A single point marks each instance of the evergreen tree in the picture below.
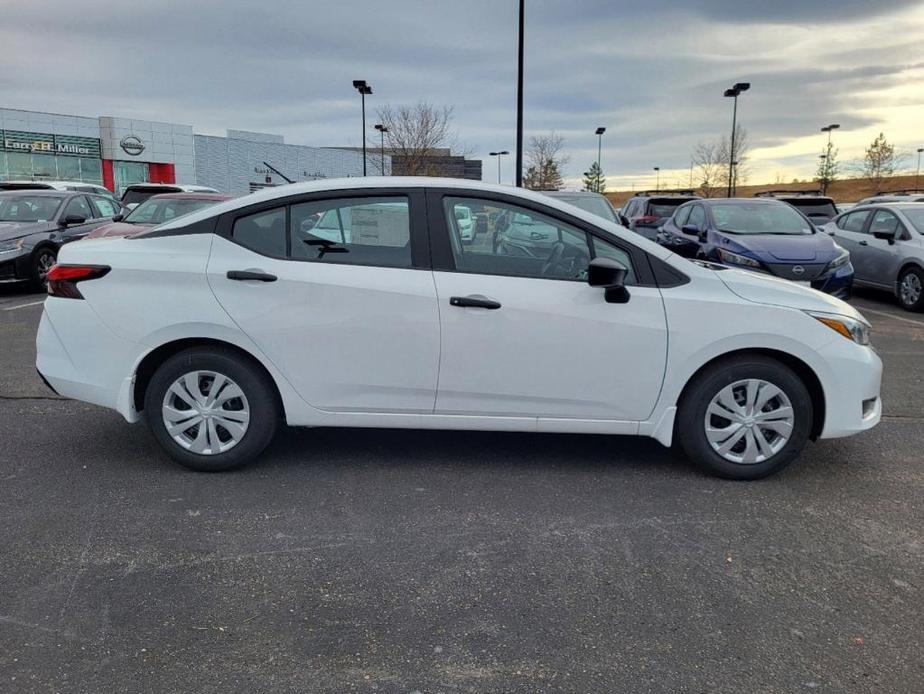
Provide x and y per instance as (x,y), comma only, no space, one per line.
(594,180)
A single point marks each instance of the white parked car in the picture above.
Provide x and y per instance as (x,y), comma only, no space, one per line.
(465,223)
(221,325)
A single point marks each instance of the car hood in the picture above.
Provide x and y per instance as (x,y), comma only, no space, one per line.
(13,230)
(803,248)
(117,229)
(767,289)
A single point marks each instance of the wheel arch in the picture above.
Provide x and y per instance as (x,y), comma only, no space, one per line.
(157,356)
(805,372)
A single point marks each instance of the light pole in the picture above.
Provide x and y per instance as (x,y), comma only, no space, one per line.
(657,171)
(519,172)
(382,129)
(599,133)
(918,172)
(734,92)
(827,158)
(363,89)
(498,155)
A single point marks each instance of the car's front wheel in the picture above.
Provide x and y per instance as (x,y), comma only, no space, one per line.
(42,261)
(211,409)
(911,289)
(745,418)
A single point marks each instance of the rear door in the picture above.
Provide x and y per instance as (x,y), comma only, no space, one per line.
(348,314)
(524,335)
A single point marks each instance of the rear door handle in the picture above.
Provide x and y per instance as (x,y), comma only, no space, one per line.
(257,275)
(474,301)
(863,243)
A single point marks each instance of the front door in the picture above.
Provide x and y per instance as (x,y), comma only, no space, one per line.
(351,318)
(851,234)
(524,335)
(879,263)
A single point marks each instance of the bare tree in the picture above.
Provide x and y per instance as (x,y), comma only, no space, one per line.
(414,132)
(545,162)
(711,163)
(880,161)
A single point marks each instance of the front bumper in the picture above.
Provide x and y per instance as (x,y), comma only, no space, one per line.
(851,388)
(14,267)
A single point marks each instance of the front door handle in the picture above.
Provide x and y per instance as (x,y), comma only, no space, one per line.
(474,301)
(257,275)
(863,243)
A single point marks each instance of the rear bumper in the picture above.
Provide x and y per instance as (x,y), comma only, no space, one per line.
(94,368)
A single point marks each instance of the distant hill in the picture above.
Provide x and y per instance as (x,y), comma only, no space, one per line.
(847,190)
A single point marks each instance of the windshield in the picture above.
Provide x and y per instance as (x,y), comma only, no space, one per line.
(591,203)
(136,195)
(759,218)
(916,217)
(158,210)
(814,208)
(28,208)
(662,209)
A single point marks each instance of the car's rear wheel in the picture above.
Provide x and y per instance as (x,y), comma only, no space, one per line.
(911,289)
(745,418)
(211,409)
(42,262)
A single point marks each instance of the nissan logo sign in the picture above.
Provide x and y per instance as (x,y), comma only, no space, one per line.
(798,270)
(132,145)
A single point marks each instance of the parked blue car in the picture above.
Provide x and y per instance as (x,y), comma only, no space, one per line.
(763,235)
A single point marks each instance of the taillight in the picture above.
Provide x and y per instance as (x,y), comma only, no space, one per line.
(63,279)
(646,219)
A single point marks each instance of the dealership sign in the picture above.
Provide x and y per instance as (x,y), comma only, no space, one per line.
(132,145)
(17,141)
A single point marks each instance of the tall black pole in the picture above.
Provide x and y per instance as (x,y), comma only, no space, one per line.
(363,95)
(382,130)
(731,155)
(519,172)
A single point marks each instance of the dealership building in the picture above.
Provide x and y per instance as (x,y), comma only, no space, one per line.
(119,151)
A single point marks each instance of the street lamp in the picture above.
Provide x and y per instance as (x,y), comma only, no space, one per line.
(519,171)
(363,89)
(824,179)
(599,133)
(734,92)
(382,129)
(657,171)
(918,172)
(498,155)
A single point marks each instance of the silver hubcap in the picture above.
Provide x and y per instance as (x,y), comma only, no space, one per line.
(911,289)
(44,264)
(749,421)
(206,412)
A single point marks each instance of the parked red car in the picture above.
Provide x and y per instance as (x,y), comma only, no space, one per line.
(156,210)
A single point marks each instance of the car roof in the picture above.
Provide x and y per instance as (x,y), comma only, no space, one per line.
(372,183)
(743,201)
(46,192)
(573,194)
(218,197)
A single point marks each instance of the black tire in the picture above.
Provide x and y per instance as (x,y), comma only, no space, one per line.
(690,428)
(906,300)
(259,391)
(40,265)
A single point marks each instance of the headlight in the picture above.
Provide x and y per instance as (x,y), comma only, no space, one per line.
(854,330)
(12,246)
(842,258)
(735,259)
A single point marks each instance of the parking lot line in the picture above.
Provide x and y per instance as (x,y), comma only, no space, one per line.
(919,323)
(31,303)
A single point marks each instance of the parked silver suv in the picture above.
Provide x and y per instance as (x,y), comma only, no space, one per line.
(886,245)
(894,196)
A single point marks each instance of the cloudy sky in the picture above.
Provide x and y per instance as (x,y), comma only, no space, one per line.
(652,72)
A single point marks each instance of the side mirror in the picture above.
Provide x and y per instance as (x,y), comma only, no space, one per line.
(73,220)
(885,236)
(611,275)
(118,218)
(691,229)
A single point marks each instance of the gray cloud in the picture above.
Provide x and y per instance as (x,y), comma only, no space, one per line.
(653,74)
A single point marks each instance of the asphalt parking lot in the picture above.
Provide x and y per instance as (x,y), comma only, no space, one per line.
(397,561)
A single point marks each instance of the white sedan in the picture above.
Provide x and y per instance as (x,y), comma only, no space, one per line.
(221,325)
